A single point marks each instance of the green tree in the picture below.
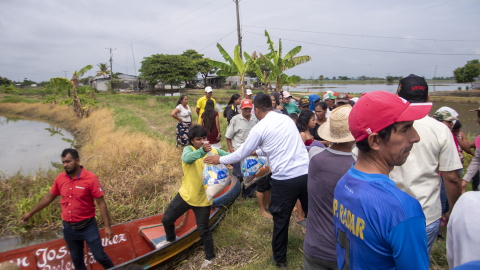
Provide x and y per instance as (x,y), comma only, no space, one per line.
(5,82)
(321,78)
(167,68)
(201,64)
(289,61)
(103,70)
(27,82)
(389,79)
(55,87)
(467,73)
(234,66)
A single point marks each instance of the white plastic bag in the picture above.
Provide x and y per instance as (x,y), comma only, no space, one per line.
(215,178)
(254,168)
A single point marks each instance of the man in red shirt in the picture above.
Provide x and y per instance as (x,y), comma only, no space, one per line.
(79,189)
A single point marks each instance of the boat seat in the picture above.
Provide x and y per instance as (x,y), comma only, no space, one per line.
(153,234)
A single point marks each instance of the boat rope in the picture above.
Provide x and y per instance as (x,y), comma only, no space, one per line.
(161,224)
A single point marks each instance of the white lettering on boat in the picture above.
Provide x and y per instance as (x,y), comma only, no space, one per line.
(48,258)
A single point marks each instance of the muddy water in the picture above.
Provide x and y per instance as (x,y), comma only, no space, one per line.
(27,145)
(361,88)
(468,119)
(10,242)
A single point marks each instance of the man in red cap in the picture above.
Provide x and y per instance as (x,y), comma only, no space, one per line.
(376,224)
(237,132)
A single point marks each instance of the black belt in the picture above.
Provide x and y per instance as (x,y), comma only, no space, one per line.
(76,226)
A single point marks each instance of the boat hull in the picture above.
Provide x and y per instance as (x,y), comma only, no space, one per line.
(127,247)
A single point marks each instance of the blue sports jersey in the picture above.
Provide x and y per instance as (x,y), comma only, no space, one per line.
(377,226)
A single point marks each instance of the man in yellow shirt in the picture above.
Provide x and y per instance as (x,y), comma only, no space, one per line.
(203,100)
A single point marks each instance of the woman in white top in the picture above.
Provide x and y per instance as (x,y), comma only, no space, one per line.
(184,117)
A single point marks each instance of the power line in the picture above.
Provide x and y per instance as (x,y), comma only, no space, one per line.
(167,23)
(362,49)
(184,23)
(218,40)
(358,35)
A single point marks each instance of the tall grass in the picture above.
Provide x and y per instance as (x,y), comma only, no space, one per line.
(139,174)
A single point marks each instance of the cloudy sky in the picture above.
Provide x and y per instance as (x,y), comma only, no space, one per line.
(42,39)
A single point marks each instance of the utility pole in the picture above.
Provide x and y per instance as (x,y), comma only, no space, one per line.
(134,66)
(238,28)
(434,75)
(126,63)
(111,69)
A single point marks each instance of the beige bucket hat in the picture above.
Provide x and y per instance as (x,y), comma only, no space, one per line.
(336,128)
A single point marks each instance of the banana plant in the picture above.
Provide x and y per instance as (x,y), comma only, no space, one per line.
(9,89)
(234,66)
(77,105)
(56,86)
(281,64)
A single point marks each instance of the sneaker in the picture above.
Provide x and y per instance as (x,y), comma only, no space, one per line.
(205,264)
(162,244)
(279,265)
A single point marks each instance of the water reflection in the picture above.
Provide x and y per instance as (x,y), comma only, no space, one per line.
(27,145)
(360,88)
(9,242)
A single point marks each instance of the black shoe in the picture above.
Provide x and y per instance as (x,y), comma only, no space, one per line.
(279,265)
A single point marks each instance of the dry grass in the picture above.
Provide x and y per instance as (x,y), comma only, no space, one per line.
(151,102)
(139,174)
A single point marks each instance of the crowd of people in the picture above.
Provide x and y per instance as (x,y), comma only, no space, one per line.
(372,178)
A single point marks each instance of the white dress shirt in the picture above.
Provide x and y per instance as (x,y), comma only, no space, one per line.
(278,138)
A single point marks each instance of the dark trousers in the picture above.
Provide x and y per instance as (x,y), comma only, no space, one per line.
(75,245)
(284,196)
(176,209)
(237,172)
(311,263)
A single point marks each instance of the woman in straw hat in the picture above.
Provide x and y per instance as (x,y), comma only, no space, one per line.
(326,168)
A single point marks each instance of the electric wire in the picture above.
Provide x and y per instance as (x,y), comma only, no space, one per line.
(367,36)
(218,40)
(166,23)
(364,49)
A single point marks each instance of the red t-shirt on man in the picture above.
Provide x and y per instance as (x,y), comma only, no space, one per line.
(78,195)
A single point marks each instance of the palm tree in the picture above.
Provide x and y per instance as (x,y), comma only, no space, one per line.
(103,70)
(77,106)
(282,64)
(234,66)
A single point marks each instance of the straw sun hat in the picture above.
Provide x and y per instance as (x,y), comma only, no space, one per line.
(336,128)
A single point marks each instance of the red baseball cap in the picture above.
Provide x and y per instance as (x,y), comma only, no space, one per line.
(246,103)
(379,109)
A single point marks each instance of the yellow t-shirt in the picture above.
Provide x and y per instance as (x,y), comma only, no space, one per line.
(192,189)
(201,105)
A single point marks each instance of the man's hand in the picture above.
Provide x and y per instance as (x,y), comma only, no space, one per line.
(25,217)
(108,233)
(254,153)
(219,135)
(212,160)
(207,147)
(464,186)
(230,149)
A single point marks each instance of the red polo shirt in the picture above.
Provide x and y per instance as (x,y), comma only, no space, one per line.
(78,195)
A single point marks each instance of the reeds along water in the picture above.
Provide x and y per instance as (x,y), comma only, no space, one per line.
(139,174)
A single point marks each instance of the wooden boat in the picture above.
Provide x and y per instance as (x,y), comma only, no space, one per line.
(133,242)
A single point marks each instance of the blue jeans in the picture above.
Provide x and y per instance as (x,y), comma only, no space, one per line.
(444,199)
(432,232)
(75,245)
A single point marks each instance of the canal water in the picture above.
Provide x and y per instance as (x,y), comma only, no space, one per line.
(361,88)
(27,145)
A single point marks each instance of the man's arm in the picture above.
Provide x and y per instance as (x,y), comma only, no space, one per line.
(44,202)
(472,168)
(229,143)
(408,241)
(453,186)
(102,206)
(198,111)
(251,143)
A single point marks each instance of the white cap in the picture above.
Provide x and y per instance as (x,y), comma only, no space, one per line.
(248,92)
(208,89)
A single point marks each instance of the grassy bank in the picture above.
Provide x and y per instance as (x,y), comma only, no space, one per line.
(129,143)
